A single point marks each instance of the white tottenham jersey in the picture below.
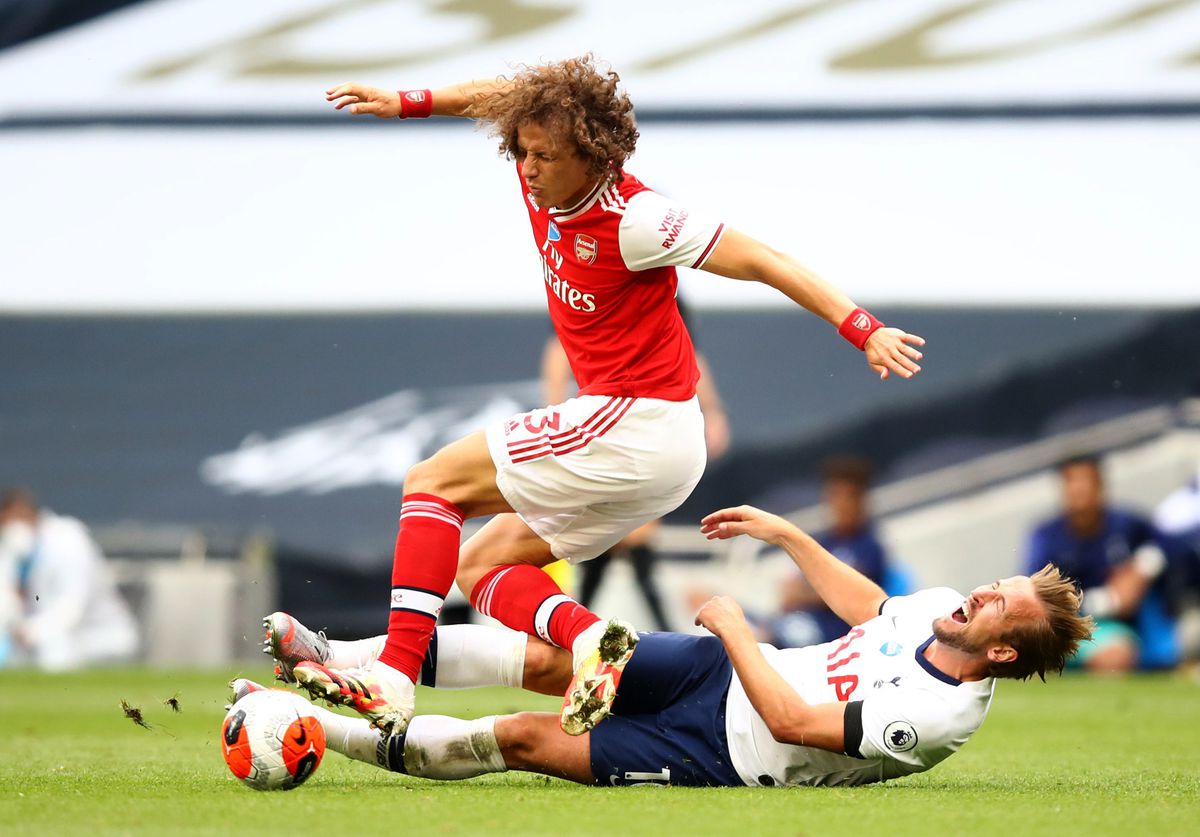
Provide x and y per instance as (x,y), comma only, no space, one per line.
(903,715)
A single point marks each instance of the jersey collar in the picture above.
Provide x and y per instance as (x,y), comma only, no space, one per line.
(583,205)
(931,668)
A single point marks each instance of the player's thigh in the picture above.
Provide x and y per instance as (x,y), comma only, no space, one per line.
(534,741)
(586,473)
(505,539)
(684,745)
(463,473)
(595,529)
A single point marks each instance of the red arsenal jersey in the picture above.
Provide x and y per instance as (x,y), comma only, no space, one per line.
(609,265)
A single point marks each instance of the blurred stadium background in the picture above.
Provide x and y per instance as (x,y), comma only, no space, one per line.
(206,331)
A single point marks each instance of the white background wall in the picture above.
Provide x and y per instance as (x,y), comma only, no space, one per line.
(415,217)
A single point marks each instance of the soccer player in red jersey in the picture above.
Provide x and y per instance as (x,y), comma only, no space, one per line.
(572,479)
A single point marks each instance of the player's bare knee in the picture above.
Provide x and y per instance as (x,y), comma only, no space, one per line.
(425,478)
(517,736)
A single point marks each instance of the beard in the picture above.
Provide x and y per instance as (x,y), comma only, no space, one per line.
(958,640)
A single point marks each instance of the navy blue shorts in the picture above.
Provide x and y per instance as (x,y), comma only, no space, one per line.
(668,721)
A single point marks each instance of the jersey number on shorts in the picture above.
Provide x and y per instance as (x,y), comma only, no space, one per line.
(551,420)
(843,684)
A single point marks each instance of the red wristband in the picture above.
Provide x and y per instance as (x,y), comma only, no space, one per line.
(415,104)
(858,327)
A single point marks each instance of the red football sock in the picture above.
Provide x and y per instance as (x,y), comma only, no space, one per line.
(526,599)
(423,568)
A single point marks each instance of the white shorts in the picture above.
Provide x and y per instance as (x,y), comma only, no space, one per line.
(585,473)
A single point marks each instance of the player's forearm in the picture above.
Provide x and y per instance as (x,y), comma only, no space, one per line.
(776,702)
(463,99)
(789,718)
(802,286)
(847,592)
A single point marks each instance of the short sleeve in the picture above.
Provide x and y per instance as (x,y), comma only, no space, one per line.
(912,727)
(655,232)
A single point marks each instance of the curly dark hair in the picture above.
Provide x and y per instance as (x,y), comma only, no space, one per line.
(573,99)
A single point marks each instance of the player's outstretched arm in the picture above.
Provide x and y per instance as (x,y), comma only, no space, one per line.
(849,593)
(790,719)
(455,100)
(738,256)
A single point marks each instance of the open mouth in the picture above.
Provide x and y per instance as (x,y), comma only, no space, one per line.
(960,615)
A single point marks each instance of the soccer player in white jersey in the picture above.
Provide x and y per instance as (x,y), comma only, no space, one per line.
(572,479)
(904,689)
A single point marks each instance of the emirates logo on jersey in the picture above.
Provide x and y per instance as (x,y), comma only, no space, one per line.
(586,248)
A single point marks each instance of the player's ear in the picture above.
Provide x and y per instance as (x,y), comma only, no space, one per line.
(1002,654)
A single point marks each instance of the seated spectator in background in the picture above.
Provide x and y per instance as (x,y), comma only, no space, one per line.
(71,613)
(1178,517)
(805,619)
(1116,557)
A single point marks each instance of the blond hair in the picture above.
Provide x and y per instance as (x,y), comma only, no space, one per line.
(1047,642)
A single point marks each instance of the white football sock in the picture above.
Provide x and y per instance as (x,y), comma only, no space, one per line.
(358,653)
(352,737)
(470,656)
(463,656)
(437,747)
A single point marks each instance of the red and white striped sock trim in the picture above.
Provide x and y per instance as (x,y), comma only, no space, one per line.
(434,508)
(572,440)
(483,602)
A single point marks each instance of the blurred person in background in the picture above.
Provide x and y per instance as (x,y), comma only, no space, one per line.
(804,617)
(1178,518)
(71,614)
(1118,558)
(558,384)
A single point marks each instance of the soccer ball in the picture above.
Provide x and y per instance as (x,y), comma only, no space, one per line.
(272,740)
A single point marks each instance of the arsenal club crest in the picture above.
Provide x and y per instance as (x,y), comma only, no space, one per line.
(586,248)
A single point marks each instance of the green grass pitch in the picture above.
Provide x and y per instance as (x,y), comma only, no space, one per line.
(1076,756)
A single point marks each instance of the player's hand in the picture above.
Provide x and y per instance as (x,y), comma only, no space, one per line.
(890,350)
(722,615)
(744,520)
(359,99)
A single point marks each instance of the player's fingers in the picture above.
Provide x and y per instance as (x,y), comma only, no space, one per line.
(724,531)
(915,339)
(903,365)
(365,108)
(345,101)
(719,515)
(341,90)
(911,351)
